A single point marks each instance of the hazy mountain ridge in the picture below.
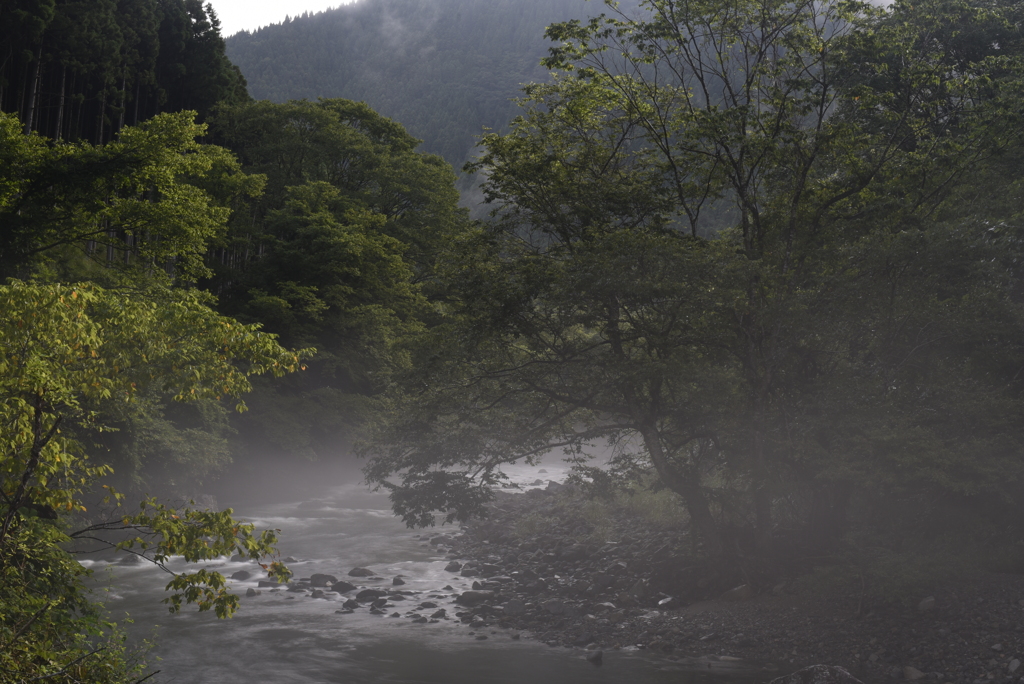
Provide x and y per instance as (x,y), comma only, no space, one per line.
(443,68)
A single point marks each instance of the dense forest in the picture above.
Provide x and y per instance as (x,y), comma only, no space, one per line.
(766,253)
(446,70)
(82,69)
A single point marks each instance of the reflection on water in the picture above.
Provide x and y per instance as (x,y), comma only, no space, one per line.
(281,636)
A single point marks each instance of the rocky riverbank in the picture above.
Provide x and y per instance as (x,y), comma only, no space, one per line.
(569,588)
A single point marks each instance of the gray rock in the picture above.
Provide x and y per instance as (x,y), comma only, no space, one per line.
(342,587)
(554,606)
(472,598)
(320,580)
(250,592)
(597,657)
(1014,664)
(288,559)
(818,674)
(912,674)
(439,614)
(268,583)
(670,603)
(241,575)
(514,607)
(317,593)
(419,620)
(576,552)
(926,604)
(351,604)
(397,581)
(744,592)
(360,572)
(370,594)
(454,566)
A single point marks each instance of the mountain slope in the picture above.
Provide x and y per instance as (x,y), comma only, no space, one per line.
(443,68)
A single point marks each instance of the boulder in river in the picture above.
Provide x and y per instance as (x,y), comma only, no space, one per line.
(241,575)
(342,587)
(597,657)
(818,674)
(471,598)
(360,572)
(454,566)
(370,594)
(317,593)
(268,583)
(319,580)
(250,592)
(397,581)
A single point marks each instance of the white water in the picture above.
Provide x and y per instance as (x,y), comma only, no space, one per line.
(286,637)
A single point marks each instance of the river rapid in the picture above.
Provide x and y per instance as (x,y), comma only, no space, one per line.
(281,636)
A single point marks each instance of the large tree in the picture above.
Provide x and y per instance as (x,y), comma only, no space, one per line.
(690,221)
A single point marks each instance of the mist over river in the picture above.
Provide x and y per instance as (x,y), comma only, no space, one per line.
(281,636)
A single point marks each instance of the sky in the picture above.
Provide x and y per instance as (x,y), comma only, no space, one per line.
(238,15)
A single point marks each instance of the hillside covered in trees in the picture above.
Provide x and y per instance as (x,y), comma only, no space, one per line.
(444,68)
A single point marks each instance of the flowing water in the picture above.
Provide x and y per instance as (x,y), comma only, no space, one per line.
(281,636)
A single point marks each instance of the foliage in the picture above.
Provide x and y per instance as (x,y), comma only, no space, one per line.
(141,204)
(335,254)
(67,350)
(843,324)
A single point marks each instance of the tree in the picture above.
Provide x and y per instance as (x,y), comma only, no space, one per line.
(66,349)
(337,253)
(688,220)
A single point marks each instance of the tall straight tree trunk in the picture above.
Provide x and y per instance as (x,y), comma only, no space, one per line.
(101,117)
(33,90)
(135,121)
(124,98)
(58,132)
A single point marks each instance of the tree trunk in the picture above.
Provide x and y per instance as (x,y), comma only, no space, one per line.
(100,119)
(58,129)
(688,488)
(762,492)
(136,117)
(124,98)
(33,90)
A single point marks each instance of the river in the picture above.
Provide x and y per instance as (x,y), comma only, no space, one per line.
(283,637)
